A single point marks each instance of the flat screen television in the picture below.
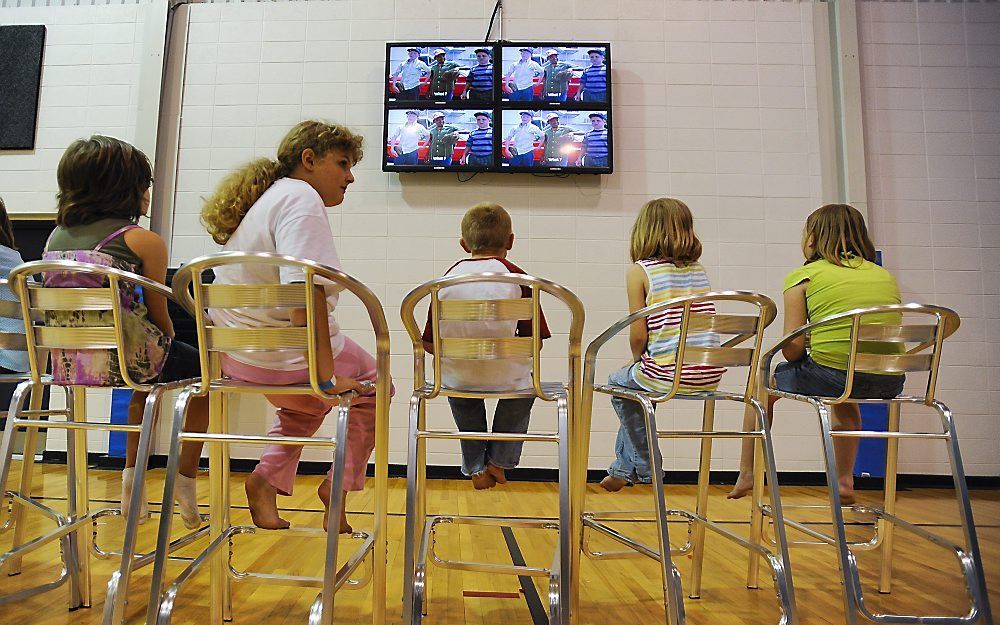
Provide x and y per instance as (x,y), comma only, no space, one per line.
(505,106)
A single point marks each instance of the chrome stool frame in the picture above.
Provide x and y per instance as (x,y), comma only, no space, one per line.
(76,539)
(864,356)
(743,328)
(189,288)
(421,528)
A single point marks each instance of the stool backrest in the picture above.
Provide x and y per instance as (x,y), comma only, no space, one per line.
(194,293)
(739,328)
(489,347)
(11,340)
(84,324)
(894,347)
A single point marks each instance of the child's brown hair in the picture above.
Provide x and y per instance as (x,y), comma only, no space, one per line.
(837,233)
(664,230)
(486,227)
(99,178)
(225,209)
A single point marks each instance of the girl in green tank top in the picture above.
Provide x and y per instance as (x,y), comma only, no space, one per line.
(839,275)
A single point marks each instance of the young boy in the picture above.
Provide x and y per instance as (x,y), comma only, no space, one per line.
(487,237)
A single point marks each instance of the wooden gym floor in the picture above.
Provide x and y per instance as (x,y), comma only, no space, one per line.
(616,591)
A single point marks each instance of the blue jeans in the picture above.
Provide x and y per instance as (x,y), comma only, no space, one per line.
(631,449)
(596,161)
(410,158)
(595,96)
(523,95)
(480,161)
(511,416)
(409,94)
(523,160)
(808,377)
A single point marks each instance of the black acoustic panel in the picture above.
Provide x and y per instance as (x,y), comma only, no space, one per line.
(20,80)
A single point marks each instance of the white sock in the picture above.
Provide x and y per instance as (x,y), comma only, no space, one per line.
(186,496)
(127,476)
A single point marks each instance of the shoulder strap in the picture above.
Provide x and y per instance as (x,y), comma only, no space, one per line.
(111,236)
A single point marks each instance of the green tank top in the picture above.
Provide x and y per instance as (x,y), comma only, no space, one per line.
(87,237)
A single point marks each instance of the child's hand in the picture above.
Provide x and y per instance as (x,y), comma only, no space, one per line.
(344,385)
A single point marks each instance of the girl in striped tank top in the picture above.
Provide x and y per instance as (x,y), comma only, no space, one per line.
(665,253)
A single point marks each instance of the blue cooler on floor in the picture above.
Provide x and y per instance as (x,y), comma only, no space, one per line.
(871,451)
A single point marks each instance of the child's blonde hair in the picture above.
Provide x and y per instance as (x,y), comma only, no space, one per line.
(486,226)
(664,230)
(225,209)
(838,234)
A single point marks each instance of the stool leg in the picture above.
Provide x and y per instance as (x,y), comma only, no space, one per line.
(701,504)
(840,534)
(79,500)
(332,537)
(566,512)
(7,445)
(885,527)
(221,598)
(413,583)
(673,594)
(156,585)
(980,595)
(27,471)
(757,519)
(117,597)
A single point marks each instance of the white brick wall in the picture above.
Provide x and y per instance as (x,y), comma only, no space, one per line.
(931,86)
(90,76)
(715,104)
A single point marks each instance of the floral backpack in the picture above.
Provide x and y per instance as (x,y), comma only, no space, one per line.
(146,346)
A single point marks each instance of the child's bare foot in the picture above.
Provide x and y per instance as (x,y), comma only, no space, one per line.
(263,501)
(743,486)
(497,472)
(613,484)
(324,495)
(847,497)
(484,480)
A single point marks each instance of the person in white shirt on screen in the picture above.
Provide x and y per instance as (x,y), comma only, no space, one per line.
(520,141)
(405,142)
(408,74)
(519,81)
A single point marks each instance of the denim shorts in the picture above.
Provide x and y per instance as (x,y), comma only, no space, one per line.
(181,363)
(807,377)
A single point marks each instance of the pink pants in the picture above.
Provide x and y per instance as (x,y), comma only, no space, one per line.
(302,415)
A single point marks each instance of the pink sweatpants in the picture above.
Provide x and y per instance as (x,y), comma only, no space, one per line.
(302,415)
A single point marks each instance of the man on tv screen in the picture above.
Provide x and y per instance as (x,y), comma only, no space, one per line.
(479,82)
(443,76)
(519,81)
(405,142)
(557,76)
(594,152)
(442,141)
(594,81)
(520,141)
(479,145)
(557,141)
(406,79)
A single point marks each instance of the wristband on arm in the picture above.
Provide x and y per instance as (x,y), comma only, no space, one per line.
(327,386)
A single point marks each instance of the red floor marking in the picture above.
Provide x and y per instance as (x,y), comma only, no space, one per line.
(491,594)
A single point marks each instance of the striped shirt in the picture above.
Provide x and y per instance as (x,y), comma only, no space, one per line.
(480,142)
(595,79)
(595,143)
(655,370)
(481,77)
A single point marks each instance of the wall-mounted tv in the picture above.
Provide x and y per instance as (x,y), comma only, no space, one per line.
(537,106)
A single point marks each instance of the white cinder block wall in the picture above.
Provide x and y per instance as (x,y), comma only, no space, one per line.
(931,88)
(714,104)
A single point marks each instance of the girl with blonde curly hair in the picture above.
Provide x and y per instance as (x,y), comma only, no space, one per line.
(280,206)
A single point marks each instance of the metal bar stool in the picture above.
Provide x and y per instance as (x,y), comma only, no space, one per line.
(742,328)
(41,308)
(189,288)
(421,528)
(879,347)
